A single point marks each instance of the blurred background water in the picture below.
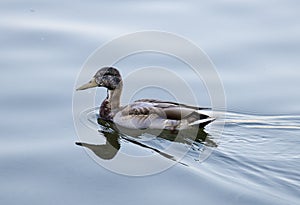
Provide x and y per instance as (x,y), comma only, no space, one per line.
(255,46)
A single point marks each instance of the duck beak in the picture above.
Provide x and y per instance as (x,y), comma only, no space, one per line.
(90,84)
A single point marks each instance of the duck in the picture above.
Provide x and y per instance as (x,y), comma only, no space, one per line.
(144,113)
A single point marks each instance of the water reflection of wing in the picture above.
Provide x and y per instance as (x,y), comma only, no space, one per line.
(113,135)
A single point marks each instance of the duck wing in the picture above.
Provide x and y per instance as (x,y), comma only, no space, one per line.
(172,110)
(169,103)
(156,114)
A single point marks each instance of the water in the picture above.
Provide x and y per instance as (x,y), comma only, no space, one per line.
(255,48)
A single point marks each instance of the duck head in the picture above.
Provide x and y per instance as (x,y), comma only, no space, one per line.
(108,77)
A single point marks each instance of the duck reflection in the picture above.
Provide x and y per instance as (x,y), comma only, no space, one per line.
(114,135)
(107,150)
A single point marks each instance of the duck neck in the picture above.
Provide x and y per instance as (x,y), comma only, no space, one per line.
(113,98)
(111,103)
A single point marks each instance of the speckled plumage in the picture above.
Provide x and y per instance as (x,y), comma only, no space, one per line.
(108,77)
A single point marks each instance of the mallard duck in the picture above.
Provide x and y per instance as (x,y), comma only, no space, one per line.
(144,113)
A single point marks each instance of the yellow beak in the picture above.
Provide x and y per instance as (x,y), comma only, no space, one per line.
(90,84)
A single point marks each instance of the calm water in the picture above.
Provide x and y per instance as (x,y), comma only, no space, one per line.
(255,47)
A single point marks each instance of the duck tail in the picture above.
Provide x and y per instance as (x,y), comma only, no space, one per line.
(202,122)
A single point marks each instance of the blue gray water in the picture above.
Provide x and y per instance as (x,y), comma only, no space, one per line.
(255,47)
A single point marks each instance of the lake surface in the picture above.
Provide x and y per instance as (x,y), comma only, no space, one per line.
(255,47)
